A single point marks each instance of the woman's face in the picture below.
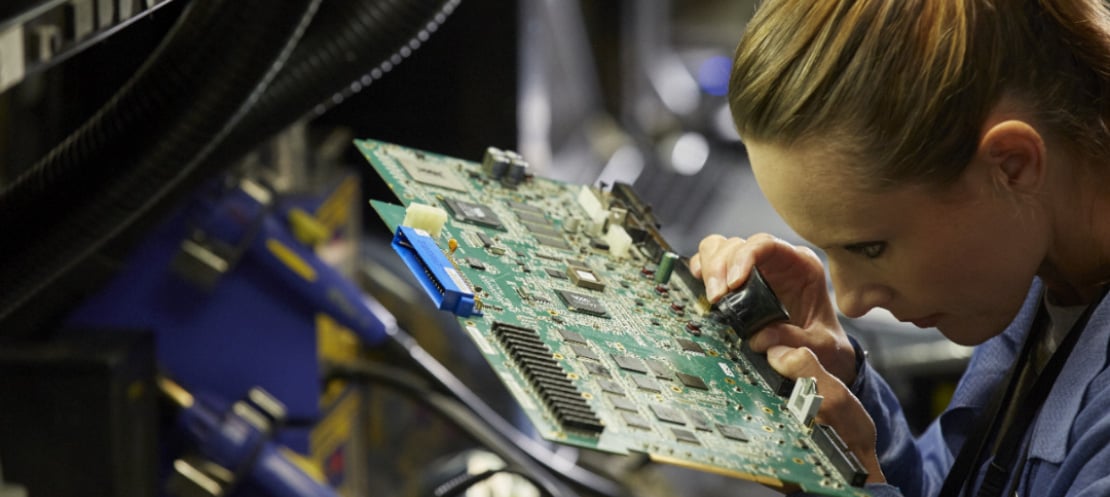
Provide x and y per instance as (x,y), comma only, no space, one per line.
(961,260)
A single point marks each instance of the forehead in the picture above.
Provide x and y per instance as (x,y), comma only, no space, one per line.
(820,196)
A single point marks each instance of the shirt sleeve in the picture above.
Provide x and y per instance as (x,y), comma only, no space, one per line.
(918,466)
(898,453)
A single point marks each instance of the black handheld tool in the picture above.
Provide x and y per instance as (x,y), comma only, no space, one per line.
(747,310)
(751,307)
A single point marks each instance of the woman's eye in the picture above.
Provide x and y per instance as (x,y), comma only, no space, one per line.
(870,250)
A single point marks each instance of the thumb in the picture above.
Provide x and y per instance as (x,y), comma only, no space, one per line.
(795,362)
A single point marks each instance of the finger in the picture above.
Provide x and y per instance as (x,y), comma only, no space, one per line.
(801,362)
(794,362)
(768,337)
(755,251)
(791,336)
(808,253)
(707,246)
(839,408)
(715,265)
(834,351)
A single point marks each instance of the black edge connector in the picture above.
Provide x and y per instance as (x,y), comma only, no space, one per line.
(781,385)
(837,451)
(548,378)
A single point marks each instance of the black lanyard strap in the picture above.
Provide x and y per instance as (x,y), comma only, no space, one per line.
(1026,404)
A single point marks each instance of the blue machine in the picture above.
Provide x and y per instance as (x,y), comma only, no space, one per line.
(237,300)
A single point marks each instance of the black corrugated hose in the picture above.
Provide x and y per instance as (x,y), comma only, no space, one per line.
(126,166)
(208,72)
(348,46)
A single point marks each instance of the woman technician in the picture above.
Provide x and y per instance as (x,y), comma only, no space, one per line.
(952,159)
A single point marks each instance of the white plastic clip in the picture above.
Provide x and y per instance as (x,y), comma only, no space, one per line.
(804,401)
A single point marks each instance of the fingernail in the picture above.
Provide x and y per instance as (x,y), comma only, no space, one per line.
(733,274)
(713,287)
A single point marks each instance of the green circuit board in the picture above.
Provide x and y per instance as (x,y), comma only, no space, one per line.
(602,341)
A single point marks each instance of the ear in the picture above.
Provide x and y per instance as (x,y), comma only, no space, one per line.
(1014,154)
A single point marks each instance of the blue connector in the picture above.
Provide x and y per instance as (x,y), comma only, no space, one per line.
(436,273)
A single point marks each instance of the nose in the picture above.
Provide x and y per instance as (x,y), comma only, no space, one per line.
(855,292)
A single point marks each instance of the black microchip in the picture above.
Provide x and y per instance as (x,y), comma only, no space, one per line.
(596,369)
(692,381)
(700,420)
(660,368)
(582,303)
(572,336)
(733,432)
(532,217)
(473,213)
(584,351)
(517,206)
(543,230)
(690,346)
(646,383)
(487,242)
(475,263)
(636,421)
(668,414)
(555,273)
(558,243)
(610,386)
(622,403)
(685,436)
(630,363)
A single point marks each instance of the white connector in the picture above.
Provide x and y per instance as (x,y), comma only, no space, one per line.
(804,401)
(425,217)
(619,241)
(595,211)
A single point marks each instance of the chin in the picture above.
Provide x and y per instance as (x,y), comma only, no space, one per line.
(970,332)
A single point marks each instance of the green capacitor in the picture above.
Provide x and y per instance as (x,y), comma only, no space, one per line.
(666,267)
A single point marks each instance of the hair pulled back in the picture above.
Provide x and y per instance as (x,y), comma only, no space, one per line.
(903,87)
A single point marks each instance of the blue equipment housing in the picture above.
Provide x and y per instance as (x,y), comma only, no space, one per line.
(253,313)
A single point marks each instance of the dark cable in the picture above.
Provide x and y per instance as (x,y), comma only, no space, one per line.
(418,389)
(460,484)
(407,347)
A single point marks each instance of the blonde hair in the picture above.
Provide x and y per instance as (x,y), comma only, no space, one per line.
(902,87)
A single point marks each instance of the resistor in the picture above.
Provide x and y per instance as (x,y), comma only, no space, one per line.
(666,267)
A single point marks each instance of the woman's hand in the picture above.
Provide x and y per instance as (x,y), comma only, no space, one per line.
(812,343)
(798,280)
(839,408)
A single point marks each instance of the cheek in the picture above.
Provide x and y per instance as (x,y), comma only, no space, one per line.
(980,272)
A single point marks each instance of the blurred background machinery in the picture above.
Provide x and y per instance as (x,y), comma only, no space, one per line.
(123,122)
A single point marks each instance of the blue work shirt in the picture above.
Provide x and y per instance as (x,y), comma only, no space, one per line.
(1068,444)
